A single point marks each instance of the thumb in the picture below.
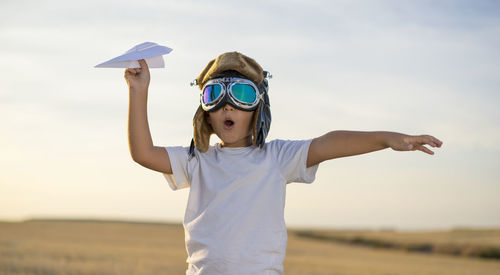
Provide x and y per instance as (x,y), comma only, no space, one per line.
(143,64)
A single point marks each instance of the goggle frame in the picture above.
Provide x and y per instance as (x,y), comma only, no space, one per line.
(226,84)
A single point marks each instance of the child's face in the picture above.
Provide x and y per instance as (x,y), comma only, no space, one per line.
(232,126)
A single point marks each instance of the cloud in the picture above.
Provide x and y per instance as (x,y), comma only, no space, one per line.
(364,65)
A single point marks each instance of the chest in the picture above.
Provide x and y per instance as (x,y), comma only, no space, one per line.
(225,184)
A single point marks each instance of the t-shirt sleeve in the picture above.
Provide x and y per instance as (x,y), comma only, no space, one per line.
(292,158)
(179,178)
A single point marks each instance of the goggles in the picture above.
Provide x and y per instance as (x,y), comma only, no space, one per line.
(238,92)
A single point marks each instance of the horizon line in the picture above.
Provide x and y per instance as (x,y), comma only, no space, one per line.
(179,223)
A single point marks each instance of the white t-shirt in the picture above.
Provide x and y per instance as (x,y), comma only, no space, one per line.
(234,221)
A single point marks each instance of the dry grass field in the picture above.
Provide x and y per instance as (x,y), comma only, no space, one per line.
(77,247)
(459,242)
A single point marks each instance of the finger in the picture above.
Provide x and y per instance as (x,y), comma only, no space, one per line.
(128,73)
(131,71)
(434,142)
(426,139)
(437,141)
(425,150)
(431,142)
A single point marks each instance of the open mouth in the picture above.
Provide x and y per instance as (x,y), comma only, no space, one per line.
(228,123)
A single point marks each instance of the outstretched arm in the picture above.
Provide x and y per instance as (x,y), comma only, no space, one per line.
(339,144)
(139,136)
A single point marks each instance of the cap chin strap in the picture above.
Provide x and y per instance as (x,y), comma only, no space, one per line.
(263,114)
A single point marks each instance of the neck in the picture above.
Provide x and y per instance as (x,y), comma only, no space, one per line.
(240,143)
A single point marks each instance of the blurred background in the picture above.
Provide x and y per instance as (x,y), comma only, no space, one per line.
(417,67)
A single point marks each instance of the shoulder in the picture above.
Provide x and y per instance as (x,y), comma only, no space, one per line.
(278,142)
(286,142)
(274,144)
(280,146)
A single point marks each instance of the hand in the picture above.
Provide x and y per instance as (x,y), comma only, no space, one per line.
(402,142)
(138,78)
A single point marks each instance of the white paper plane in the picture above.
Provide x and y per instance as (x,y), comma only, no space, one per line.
(149,51)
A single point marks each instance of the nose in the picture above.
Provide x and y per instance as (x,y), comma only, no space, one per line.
(228,107)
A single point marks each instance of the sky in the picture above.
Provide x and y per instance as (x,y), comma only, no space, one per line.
(415,67)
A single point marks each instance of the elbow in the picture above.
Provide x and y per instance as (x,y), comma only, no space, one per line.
(137,157)
(142,161)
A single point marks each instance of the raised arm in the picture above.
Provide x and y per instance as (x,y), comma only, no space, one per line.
(339,144)
(141,145)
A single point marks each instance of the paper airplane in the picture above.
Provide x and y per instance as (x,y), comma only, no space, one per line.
(149,51)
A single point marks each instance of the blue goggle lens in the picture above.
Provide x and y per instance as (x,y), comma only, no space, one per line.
(244,93)
(211,93)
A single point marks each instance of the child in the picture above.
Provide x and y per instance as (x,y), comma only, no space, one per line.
(234,221)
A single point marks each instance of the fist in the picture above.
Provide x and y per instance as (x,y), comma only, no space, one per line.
(138,78)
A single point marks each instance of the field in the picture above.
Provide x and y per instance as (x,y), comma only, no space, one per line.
(97,247)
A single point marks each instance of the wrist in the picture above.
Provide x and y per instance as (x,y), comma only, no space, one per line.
(386,139)
(137,90)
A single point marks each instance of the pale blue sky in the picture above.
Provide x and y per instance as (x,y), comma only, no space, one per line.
(408,66)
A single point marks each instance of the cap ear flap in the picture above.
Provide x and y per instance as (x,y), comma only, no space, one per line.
(254,125)
(202,130)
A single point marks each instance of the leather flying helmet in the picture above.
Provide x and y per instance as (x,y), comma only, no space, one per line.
(233,66)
